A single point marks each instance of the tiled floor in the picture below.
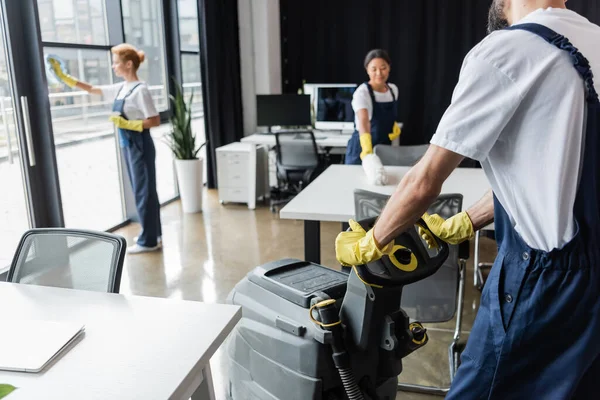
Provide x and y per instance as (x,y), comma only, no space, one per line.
(205,255)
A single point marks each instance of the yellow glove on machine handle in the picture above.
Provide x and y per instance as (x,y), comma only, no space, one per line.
(132,125)
(396,131)
(358,247)
(366,144)
(66,78)
(454,230)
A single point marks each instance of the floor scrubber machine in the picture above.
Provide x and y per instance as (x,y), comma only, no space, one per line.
(310,332)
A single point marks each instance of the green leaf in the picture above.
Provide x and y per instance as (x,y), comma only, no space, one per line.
(181,140)
(5,389)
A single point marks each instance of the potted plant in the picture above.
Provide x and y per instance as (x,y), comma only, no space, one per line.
(182,142)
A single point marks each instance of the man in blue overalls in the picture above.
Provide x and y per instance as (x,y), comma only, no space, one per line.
(527,108)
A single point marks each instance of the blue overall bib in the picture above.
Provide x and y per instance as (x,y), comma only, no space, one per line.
(537,331)
(382,123)
(139,154)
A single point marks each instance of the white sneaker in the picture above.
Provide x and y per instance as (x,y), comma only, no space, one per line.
(158,239)
(137,249)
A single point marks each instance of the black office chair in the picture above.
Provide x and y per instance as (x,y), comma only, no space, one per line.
(298,163)
(69,258)
(403,156)
(438,298)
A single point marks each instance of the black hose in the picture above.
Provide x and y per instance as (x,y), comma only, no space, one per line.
(350,386)
(330,321)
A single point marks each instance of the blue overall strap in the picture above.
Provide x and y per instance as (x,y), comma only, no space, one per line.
(582,65)
(131,91)
(587,202)
(373,94)
(394,100)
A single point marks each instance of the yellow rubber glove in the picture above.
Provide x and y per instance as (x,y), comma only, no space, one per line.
(454,230)
(366,144)
(60,74)
(396,131)
(358,247)
(132,125)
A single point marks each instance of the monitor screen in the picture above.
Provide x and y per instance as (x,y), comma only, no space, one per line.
(283,110)
(334,105)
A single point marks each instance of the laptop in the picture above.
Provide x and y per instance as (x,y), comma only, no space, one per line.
(30,345)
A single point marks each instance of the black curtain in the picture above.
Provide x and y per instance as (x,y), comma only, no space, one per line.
(326,42)
(221,82)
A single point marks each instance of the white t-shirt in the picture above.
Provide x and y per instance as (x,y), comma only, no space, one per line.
(362,99)
(138,105)
(519,109)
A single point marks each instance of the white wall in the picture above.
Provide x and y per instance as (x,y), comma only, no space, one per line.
(260,54)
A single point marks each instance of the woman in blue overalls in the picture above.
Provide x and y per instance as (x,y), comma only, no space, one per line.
(133,115)
(375,105)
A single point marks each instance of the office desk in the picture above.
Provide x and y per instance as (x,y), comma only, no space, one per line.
(133,347)
(322,139)
(330,197)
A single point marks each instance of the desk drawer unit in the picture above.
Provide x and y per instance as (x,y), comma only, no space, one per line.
(237,176)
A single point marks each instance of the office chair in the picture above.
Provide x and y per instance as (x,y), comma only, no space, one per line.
(298,163)
(403,156)
(438,298)
(69,258)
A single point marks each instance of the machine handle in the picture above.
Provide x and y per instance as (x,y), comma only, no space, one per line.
(27,121)
(410,262)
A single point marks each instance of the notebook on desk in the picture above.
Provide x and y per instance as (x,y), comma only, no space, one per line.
(30,345)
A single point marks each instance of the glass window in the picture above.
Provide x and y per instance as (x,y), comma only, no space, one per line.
(188,25)
(86,148)
(165,166)
(73,21)
(190,72)
(13,204)
(190,57)
(144,29)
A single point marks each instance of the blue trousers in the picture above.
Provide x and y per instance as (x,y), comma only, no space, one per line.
(537,332)
(140,157)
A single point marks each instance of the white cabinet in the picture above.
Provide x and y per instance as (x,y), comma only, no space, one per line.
(241,170)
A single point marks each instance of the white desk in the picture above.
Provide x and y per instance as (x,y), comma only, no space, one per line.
(330,197)
(133,347)
(322,139)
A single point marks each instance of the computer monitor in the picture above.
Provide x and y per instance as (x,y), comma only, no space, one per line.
(332,104)
(283,110)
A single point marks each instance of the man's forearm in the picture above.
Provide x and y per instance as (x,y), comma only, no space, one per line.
(482,212)
(411,199)
(415,193)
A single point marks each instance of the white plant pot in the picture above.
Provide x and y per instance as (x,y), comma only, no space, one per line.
(189,179)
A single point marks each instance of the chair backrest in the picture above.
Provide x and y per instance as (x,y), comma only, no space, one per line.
(296,153)
(69,258)
(297,150)
(433,299)
(402,156)
(368,204)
